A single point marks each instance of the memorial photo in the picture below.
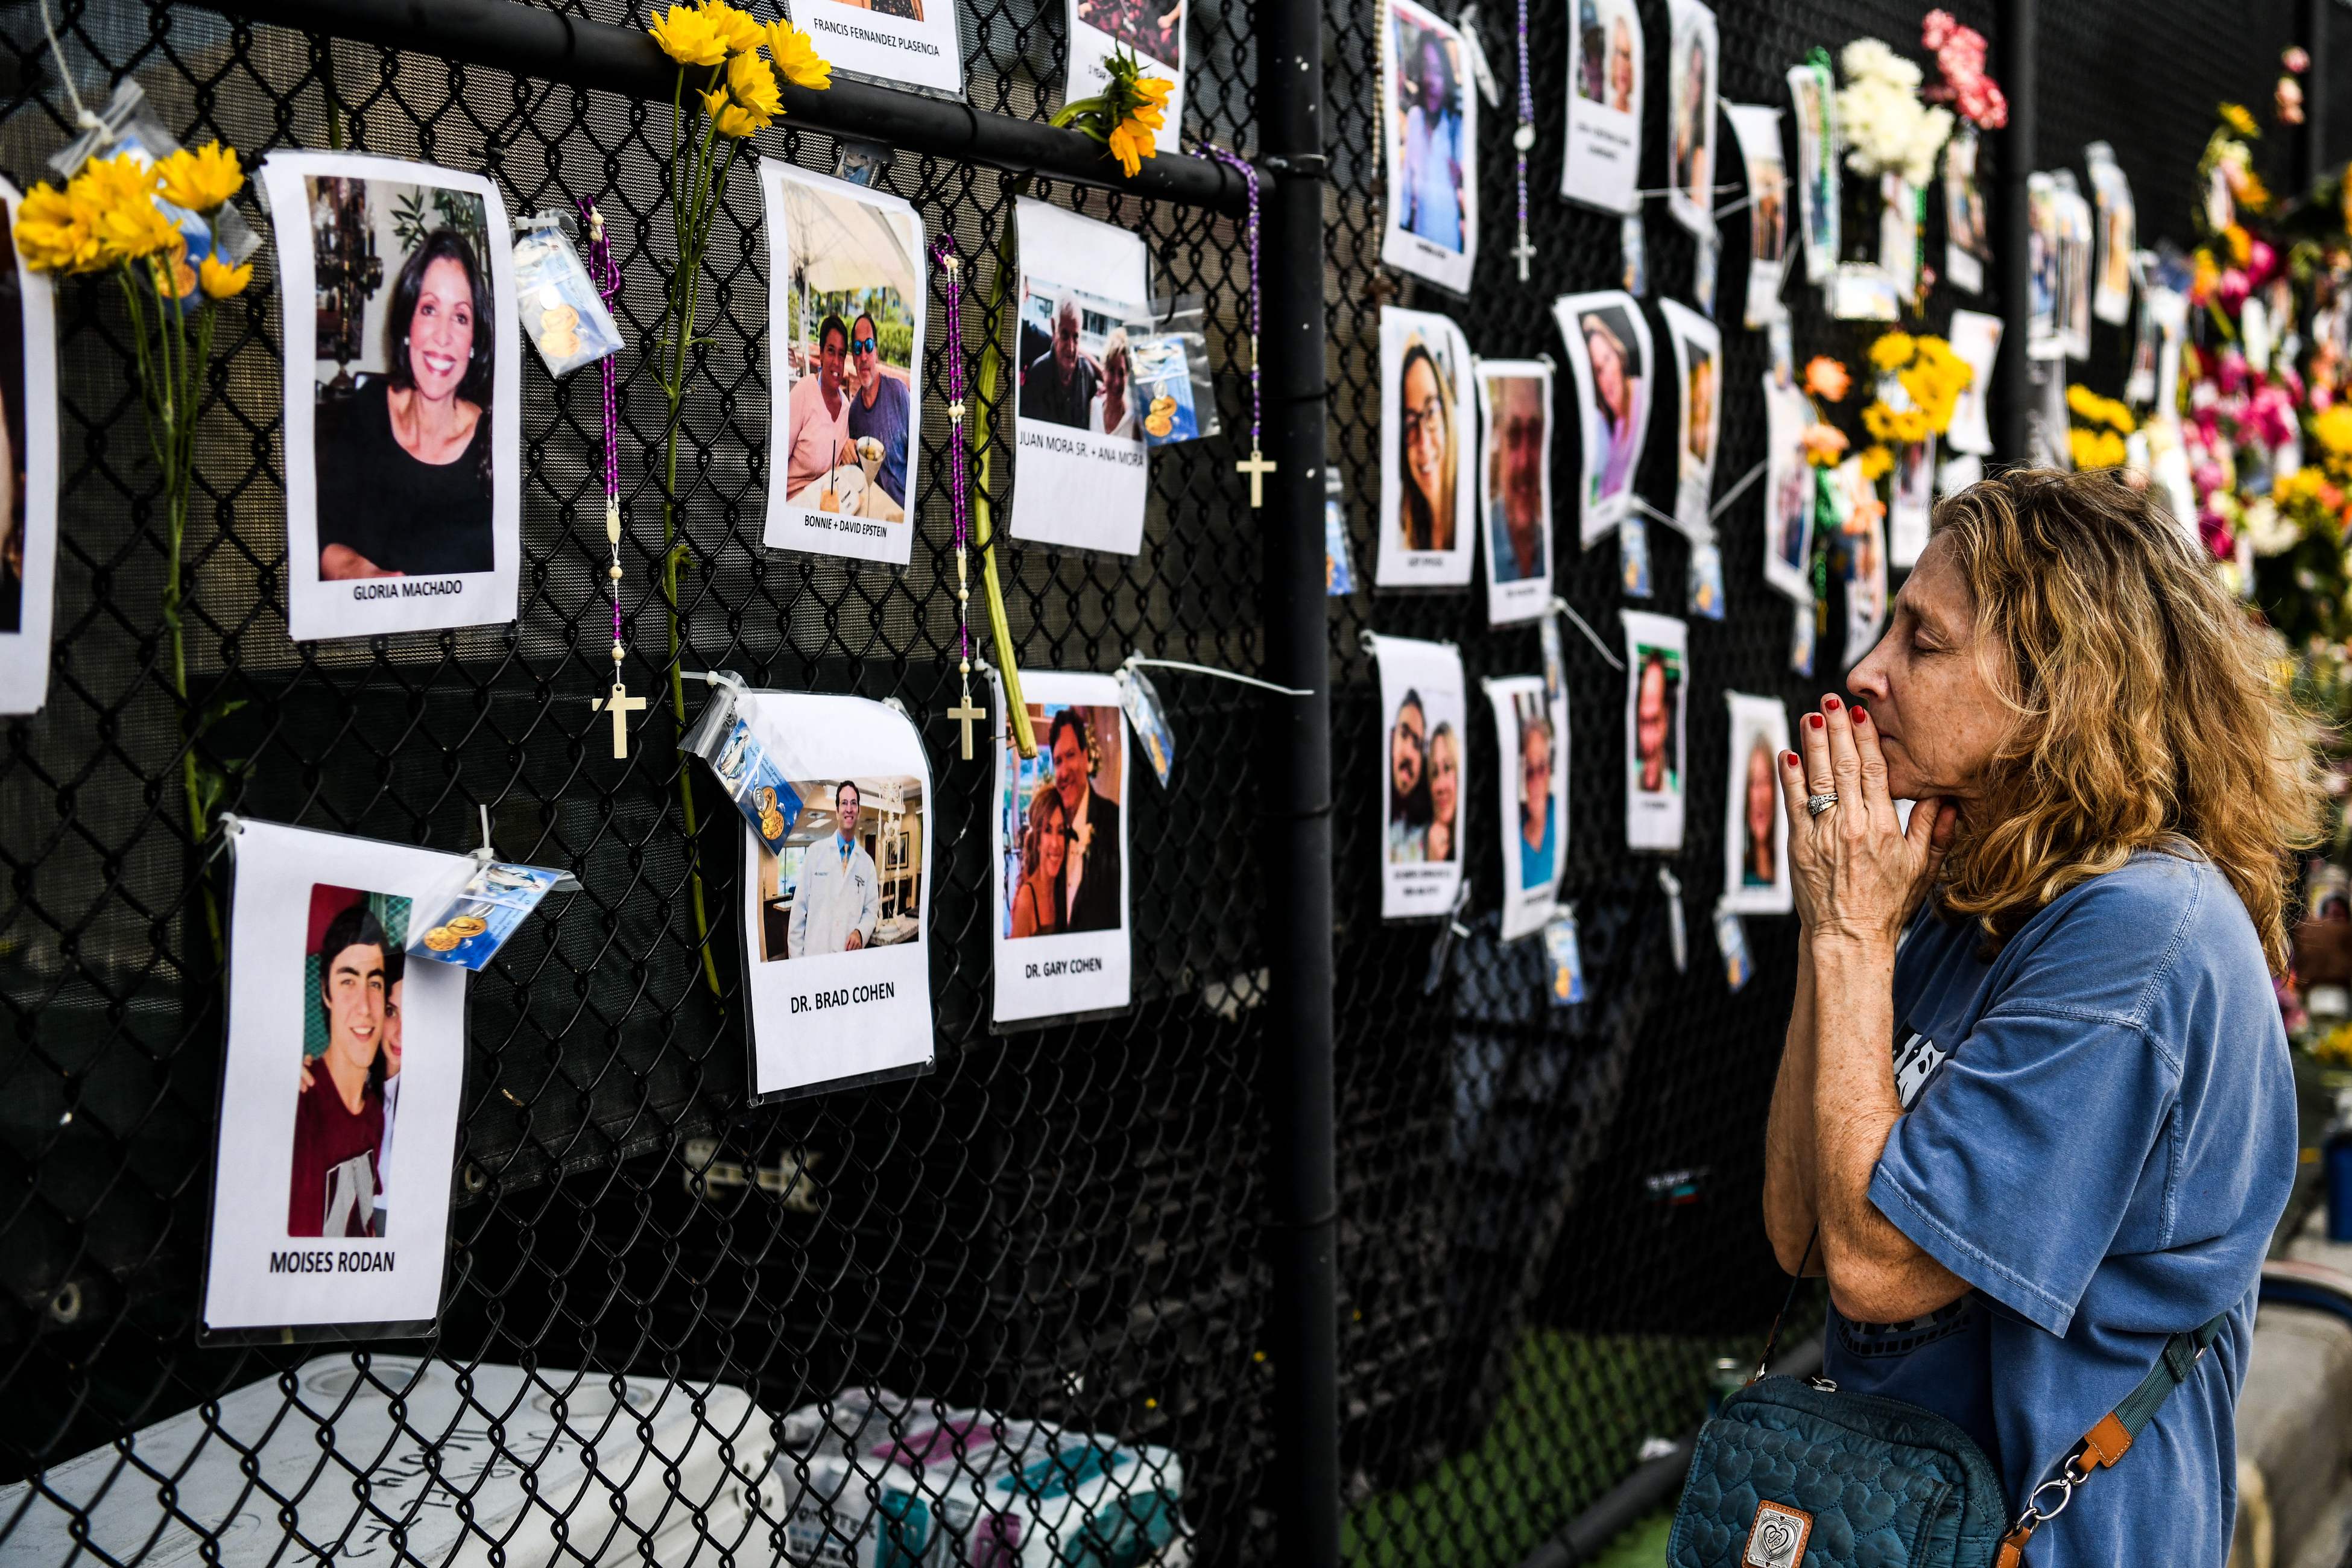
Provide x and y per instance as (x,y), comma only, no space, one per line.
(851,872)
(1429,111)
(349,1095)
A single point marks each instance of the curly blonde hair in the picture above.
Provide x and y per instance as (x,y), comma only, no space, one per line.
(2146,713)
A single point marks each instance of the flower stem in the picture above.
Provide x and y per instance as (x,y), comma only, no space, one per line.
(991,369)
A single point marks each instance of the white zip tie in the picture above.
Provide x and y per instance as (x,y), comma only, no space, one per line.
(1671,190)
(726,678)
(1742,205)
(1134,659)
(1734,493)
(1563,607)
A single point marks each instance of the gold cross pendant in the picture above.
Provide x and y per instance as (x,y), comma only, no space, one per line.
(966,714)
(620,705)
(1257,466)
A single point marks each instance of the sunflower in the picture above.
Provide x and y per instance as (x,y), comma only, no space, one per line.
(1877,462)
(1126,115)
(200,180)
(689,37)
(750,101)
(57,231)
(1893,350)
(739,30)
(796,57)
(2239,119)
(222,282)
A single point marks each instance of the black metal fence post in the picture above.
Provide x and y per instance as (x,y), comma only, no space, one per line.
(1303,1315)
(2017,43)
(2318,87)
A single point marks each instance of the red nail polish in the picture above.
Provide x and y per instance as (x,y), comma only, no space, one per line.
(1830,703)
(1789,759)
(1861,714)
(1815,719)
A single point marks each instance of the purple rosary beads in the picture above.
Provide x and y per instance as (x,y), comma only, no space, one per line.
(943,254)
(1256,465)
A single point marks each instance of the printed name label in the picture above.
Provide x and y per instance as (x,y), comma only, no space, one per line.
(331,1262)
(846,996)
(407,588)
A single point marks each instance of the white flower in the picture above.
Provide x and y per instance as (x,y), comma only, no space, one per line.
(1885,127)
(2267,531)
(1868,58)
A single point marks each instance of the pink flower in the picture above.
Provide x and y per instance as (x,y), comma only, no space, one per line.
(2272,415)
(2295,59)
(2233,289)
(1938,29)
(2215,532)
(2260,262)
(2205,477)
(2286,100)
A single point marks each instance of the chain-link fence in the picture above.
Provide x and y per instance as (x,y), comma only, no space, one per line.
(1546,1219)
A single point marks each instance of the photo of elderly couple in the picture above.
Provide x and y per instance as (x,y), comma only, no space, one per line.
(1077,366)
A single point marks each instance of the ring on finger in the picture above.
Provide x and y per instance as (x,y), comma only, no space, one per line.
(1817,804)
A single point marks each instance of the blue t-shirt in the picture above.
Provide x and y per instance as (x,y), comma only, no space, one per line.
(1535,863)
(886,421)
(2101,1138)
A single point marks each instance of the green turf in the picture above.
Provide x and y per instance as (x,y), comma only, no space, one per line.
(1566,1430)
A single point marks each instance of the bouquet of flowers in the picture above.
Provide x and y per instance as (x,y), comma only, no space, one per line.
(1886,126)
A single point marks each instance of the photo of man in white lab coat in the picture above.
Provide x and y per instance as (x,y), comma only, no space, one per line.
(838,899)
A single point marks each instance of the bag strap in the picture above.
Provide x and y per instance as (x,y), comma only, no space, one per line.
(2112,1437)
(1773,1336)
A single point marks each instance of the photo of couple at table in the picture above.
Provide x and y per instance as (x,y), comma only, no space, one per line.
(846,332)
(1061,930)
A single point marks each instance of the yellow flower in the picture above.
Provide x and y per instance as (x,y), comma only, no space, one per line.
(689,37)
(797,57)
(222,282)
(2241,244)
(2083,402)
(2238,119)
(2333,427)
(135,229)
(1876,463)
(1892,351)
(201,180)
(1130,147)
(740,31)
(748,102)
(57,231)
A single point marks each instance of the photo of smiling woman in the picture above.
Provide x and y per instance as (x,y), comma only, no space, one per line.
(1608,344)
(1427,501)
(404,519)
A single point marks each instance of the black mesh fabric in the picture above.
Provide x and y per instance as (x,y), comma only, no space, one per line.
(1547,1218)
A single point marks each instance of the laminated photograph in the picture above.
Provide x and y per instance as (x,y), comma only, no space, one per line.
(1608,344)
(1656,682)
(1862,520)
(835,936)
(1975,337)
(1911,502)
(895,43)
(340,1088)
(2042,234)
(1532,735)
(2077,240)
(1968,242)
(28,514)
(1060,933)
(1428,500)
(1425,715)
(1788,492)
(1758,130)
(1429,131)
(1515,483)
(1150,30)
(403,396)
(2118,234)
(1079,477)
(1698,373)
(1814,107)
(1690,115)
(845,350)
(1603,164)
(1754,828)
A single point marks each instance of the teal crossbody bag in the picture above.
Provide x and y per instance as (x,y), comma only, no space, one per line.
(1793,1473)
